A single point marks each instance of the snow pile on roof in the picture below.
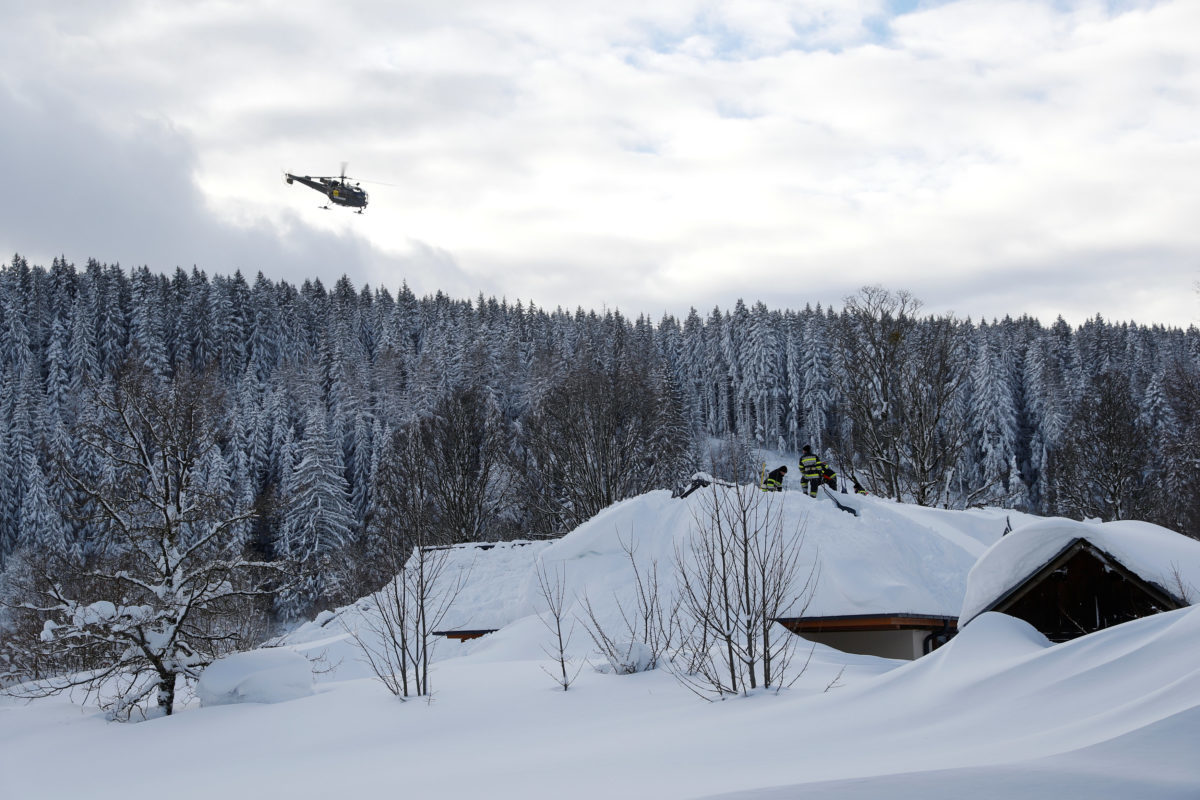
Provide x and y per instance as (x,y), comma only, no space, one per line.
(889,559)
(1153,553)
(257,676)
(494,583)
(493,590)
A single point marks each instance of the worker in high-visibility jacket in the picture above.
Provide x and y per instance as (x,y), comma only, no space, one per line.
(811,470)
(829,478)
(774,480)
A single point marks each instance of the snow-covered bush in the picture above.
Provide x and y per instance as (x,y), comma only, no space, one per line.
(626,658)
(649,630)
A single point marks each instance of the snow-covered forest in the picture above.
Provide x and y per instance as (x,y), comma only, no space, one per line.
(314,421)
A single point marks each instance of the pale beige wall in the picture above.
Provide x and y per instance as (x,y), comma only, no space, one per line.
(889,644)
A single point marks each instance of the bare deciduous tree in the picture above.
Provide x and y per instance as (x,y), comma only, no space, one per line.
(1178,504)
(466,442)
(740,572)
(552,587)
(1099,471)
(870,341)
(933,431)
(397,638)
(900,379)
(598,437)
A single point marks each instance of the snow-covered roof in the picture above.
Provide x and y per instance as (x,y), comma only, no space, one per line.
(492,580)
(1151,552)
(492,591)
(890,559)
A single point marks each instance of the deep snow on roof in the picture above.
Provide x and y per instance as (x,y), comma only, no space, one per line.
(492,581)
(489,583)
(890,559)
(1153,553)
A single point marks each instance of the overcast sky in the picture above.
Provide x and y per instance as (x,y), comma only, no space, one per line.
(991,158)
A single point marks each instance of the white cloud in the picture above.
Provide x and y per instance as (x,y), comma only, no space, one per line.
(655,156)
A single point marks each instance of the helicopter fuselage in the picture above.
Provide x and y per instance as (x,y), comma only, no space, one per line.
(339,191)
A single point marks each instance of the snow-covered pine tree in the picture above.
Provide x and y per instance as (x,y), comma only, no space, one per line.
(761,370)
(263,349)
(817,377)
(147,325)
(992,421)
(317,519)
(109,296)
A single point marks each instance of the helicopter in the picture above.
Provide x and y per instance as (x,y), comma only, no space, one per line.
(338,189)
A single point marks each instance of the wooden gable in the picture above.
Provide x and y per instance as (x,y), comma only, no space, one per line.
(1081,590)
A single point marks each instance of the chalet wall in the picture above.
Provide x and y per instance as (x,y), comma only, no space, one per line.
(906,644)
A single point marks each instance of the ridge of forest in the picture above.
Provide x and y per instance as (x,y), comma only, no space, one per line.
(336,417)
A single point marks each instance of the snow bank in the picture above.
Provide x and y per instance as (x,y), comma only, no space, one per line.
(1152,552)
(994,714)
(257,676)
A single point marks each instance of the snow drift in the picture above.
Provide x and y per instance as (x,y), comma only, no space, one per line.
(273,675)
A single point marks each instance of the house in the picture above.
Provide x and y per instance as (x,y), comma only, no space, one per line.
(891,588)
(888,579)
(1069,578)
(465,634)
(891,576)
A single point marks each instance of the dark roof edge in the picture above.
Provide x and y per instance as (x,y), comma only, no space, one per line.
(830,617)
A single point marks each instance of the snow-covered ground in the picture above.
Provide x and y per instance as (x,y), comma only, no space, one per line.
(997,713)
